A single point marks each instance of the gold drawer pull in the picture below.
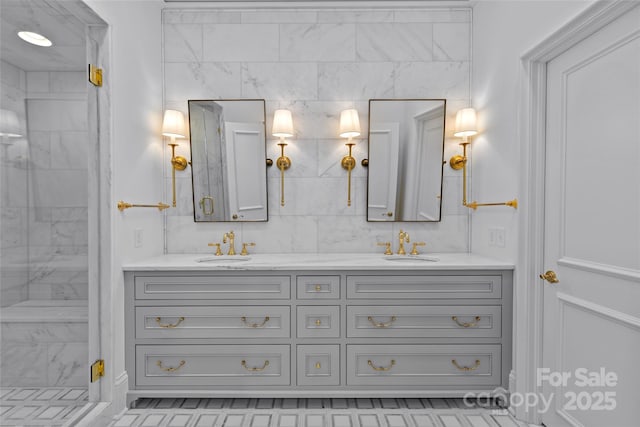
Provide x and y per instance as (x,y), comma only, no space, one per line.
(170,369)
(381,324)
(466,368)
(169,325)
(254,325)
(466,324)
(381,368)
(256,369)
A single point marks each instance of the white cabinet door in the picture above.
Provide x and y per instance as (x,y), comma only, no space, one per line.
(384,144)
(246,171)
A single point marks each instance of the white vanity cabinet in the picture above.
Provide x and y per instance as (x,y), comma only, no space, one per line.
(317,333)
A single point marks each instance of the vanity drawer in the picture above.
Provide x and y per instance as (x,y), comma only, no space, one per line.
(427,287)
(424,365)
(212,287)
(423,321)
(212,365)
(318,321)
(318,364)
(318,287)
(213,322)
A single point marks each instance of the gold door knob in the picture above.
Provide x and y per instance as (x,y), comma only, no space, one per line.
(550,276)
(318,322)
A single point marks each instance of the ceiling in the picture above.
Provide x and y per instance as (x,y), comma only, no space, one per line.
(49,18)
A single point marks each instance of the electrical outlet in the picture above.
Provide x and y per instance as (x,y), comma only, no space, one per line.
(497,237)
(137,238)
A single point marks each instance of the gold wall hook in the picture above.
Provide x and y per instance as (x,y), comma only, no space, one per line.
(349,162)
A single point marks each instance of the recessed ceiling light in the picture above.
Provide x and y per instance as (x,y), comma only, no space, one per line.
(34,38)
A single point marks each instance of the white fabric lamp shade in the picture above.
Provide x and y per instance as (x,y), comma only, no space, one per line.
(282,124)
(173,124)
(349,124)
(9,124)
(466,123)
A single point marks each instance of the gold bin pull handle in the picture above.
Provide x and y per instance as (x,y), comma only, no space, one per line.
(254,369)
(381,324)
(466,324)
(169,325)
(381,368)
(466,368)
(170,368)
(254,325)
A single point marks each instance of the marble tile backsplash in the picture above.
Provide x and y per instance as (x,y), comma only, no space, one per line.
(317,63)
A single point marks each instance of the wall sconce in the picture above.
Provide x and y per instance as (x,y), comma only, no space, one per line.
(349,128)
(173,126)
(282,128)
(9,126)
(465,128)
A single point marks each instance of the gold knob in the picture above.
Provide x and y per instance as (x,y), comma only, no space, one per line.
(550,276)
(318,288)
(318,322)
(235,216)
(389,214)
(318,365)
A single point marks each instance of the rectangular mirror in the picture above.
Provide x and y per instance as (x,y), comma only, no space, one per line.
(406,149)
(228,159)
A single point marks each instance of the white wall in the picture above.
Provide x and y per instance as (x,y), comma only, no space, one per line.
(502,32)
(317,62)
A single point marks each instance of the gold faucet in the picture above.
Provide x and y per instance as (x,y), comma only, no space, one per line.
(387,247)
(231,236)
(404,237)
(244,248)
(414,250)
(217,245)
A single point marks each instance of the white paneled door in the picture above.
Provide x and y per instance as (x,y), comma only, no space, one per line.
(591,335)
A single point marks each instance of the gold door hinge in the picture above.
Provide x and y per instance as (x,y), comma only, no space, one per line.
(97,370)
(95,75)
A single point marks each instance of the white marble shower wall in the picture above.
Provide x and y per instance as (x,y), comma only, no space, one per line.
(317,63)
(14,273)
(58,234)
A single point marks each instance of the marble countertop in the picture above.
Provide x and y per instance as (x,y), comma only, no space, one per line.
(345,261)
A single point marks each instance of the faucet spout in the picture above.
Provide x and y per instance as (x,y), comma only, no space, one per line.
(231,237)
(403,237)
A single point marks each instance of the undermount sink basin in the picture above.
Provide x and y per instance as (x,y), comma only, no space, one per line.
(412,258)
(223,259)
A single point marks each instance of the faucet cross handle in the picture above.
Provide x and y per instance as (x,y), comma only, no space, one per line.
(244,248)
(414,249)
(387,247)
(218,250)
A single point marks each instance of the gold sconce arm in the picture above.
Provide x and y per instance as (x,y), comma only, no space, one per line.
(458,162)
(348,162)
(177,163)
(283,164)
(124,205)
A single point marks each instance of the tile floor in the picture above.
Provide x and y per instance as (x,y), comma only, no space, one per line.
(33,406)
(312,413)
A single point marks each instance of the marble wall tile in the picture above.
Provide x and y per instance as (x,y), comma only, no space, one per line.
(325,61)
(23,364)
(449,235)
(433,15)
(69,150)
(356,16)
(241,42)
(67,364)
(280,81)
(395,42)
(432,80)
(12,75)
(57,115)
(68,82)
(38,81)
(279,16)
(40,149)
(60,188)
(197,80)
(348,81)
(34,333)
(317,42)
(182,42)
(200,17)
(449,42)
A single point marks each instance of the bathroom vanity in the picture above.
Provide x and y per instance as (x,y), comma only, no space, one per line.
(321,325)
